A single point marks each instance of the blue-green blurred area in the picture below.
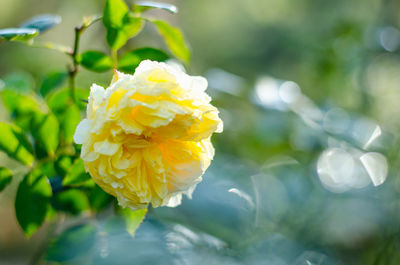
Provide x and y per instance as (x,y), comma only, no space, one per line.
(306,170)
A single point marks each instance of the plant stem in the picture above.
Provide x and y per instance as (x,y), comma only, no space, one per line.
(78,31)
(75,63)
(114,57)
(74,68)
(72,74)
(52,46)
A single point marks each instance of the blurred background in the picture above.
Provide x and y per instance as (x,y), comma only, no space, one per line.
(306,170)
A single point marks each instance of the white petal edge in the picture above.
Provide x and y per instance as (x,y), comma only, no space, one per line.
(82,131)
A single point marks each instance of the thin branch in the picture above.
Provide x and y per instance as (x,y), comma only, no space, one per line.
(73,70)
(75,62)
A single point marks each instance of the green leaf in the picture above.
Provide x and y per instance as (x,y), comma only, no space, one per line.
(52,81)
(18,34)
(132,26)
(99,199)
(15,144)
(95,61)
(133,218)
(117,37)
(71,201)
(120,25)
(72,243)
(5,177)
(132,59)
(45,130)
(142,6)
(32,202)
(20,104)
(22,107)
(72,117)
(18,97)
(47,169)
(82,94)
(51,214)
(42,22)
(59,100)
(19,82)
(174,39)
(63,164)
(114,13)
(77,174)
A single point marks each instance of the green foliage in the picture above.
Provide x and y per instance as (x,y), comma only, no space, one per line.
(52,81)
(71,201)
(99,199)
(30,28)
(276,208)
(63,164)
(132,59)
(47,169)
(117,38)
(142,6)
(59,100)
(114,13)
(76,174)
(45,130)
(19,82)
(120,24)
(32,202)
(15,144)
(5,177)
(20,104)
(71,119)
(18,34)
(95,61)
(132,218)
(44,120)
(72,243)
(174,39)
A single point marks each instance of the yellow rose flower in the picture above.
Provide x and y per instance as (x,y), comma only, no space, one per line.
(146,138)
